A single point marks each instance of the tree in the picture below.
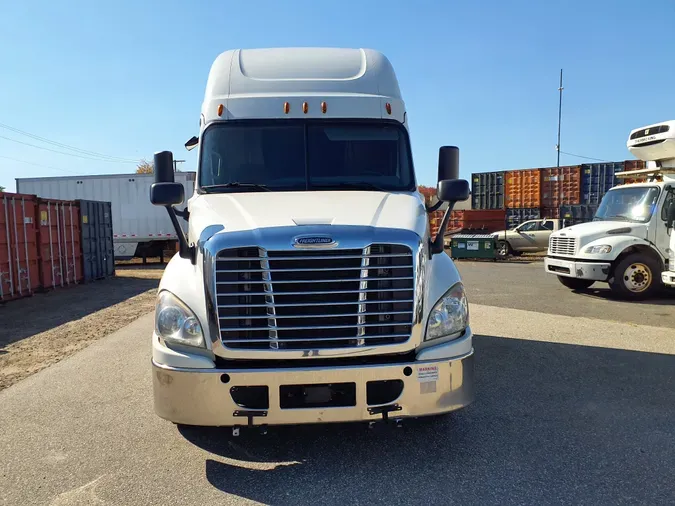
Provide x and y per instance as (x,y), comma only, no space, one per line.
(2,189)
(145,167)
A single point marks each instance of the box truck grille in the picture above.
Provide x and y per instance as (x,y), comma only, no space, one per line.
(315,299)
(562,245)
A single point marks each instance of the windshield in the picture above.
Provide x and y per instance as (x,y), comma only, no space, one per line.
(297,155)
(628,204)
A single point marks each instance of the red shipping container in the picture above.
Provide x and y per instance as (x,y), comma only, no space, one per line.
(19,276)
(59,246)
(561,186)
(522,188)
(487,220)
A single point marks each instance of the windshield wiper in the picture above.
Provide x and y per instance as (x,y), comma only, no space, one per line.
(351,186)
(213,188)
(622,216)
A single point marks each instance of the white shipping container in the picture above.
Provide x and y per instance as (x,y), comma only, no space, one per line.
(136,222)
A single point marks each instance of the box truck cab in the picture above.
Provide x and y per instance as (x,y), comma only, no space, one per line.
(307,289)
(629,243)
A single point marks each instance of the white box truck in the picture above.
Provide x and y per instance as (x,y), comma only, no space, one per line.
(139,228)
(629,244)
(307,289)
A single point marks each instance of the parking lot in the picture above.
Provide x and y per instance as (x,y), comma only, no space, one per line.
(575,404)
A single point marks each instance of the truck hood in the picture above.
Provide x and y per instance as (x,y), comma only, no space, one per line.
(249,211)
(589,232)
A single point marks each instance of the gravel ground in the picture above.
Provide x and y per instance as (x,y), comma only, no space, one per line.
(44,329)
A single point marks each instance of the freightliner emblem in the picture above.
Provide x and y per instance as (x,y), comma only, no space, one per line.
(314,241)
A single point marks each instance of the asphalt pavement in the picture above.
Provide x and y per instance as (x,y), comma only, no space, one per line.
(525,285)
(568,411)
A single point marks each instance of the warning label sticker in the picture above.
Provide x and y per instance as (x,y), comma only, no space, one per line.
(427,373)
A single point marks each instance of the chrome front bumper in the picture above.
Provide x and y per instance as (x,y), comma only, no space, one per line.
(200,396)
(668,278)
(596,271)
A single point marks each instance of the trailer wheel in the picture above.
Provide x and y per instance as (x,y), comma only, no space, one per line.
(575,283)
(636,277)
(503,249)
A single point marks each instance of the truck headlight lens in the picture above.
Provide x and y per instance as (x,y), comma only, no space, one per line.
(176,323)
(450,315)
(599,250)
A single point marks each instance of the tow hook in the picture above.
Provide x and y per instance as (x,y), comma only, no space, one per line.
(250,415)
(384,411)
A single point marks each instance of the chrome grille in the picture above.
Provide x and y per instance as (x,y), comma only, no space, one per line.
(315,298)
(562,245)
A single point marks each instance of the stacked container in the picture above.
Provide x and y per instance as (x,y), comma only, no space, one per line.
(522,188)
(560,186)
(597,179)
(515,217)
(19,274)
(486,220)
(487,190)
(581,213)
(42,243)
(98,259)
(59,246)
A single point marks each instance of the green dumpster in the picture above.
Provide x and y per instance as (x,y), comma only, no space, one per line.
(473,246)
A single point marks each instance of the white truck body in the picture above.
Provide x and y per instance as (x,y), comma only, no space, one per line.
(630,242)
(264,346)
(135,220)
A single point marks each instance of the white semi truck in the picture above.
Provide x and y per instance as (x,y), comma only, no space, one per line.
(630,243)
(307,289)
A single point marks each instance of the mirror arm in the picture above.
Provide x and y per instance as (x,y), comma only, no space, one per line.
(185,214)
(437,246)
(435,207)
(185,250)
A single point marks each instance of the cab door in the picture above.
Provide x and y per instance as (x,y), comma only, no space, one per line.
(661,233)
(524,238)
(543,233)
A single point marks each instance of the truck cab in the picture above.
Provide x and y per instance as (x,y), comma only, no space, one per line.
(629,243)
(531,235)
(307,288)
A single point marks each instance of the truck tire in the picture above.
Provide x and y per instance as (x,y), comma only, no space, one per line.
(636,277)
(575,283)
(503,249)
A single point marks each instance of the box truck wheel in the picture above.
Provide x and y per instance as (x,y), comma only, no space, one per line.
(636,277)
(575,283)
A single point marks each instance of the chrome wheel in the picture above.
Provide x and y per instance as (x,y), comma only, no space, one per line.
(637,277)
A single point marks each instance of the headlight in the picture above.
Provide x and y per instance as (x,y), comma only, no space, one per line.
(599,250)
(450,314)
(175,323)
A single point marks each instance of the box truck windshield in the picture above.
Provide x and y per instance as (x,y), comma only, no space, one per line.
(305,156)
(634,204)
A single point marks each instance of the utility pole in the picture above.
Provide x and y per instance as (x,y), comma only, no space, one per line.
(560,89)
(175,162)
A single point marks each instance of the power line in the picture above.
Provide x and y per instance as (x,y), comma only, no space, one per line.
(40,165)
(584,157)
(67,146)
(65,153)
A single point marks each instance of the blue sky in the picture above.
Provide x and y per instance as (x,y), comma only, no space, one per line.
(126,78)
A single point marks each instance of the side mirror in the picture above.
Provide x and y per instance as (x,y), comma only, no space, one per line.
(192,143)
(448,163)
(163,165)
(450,189)
(453,190)
(167,194)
